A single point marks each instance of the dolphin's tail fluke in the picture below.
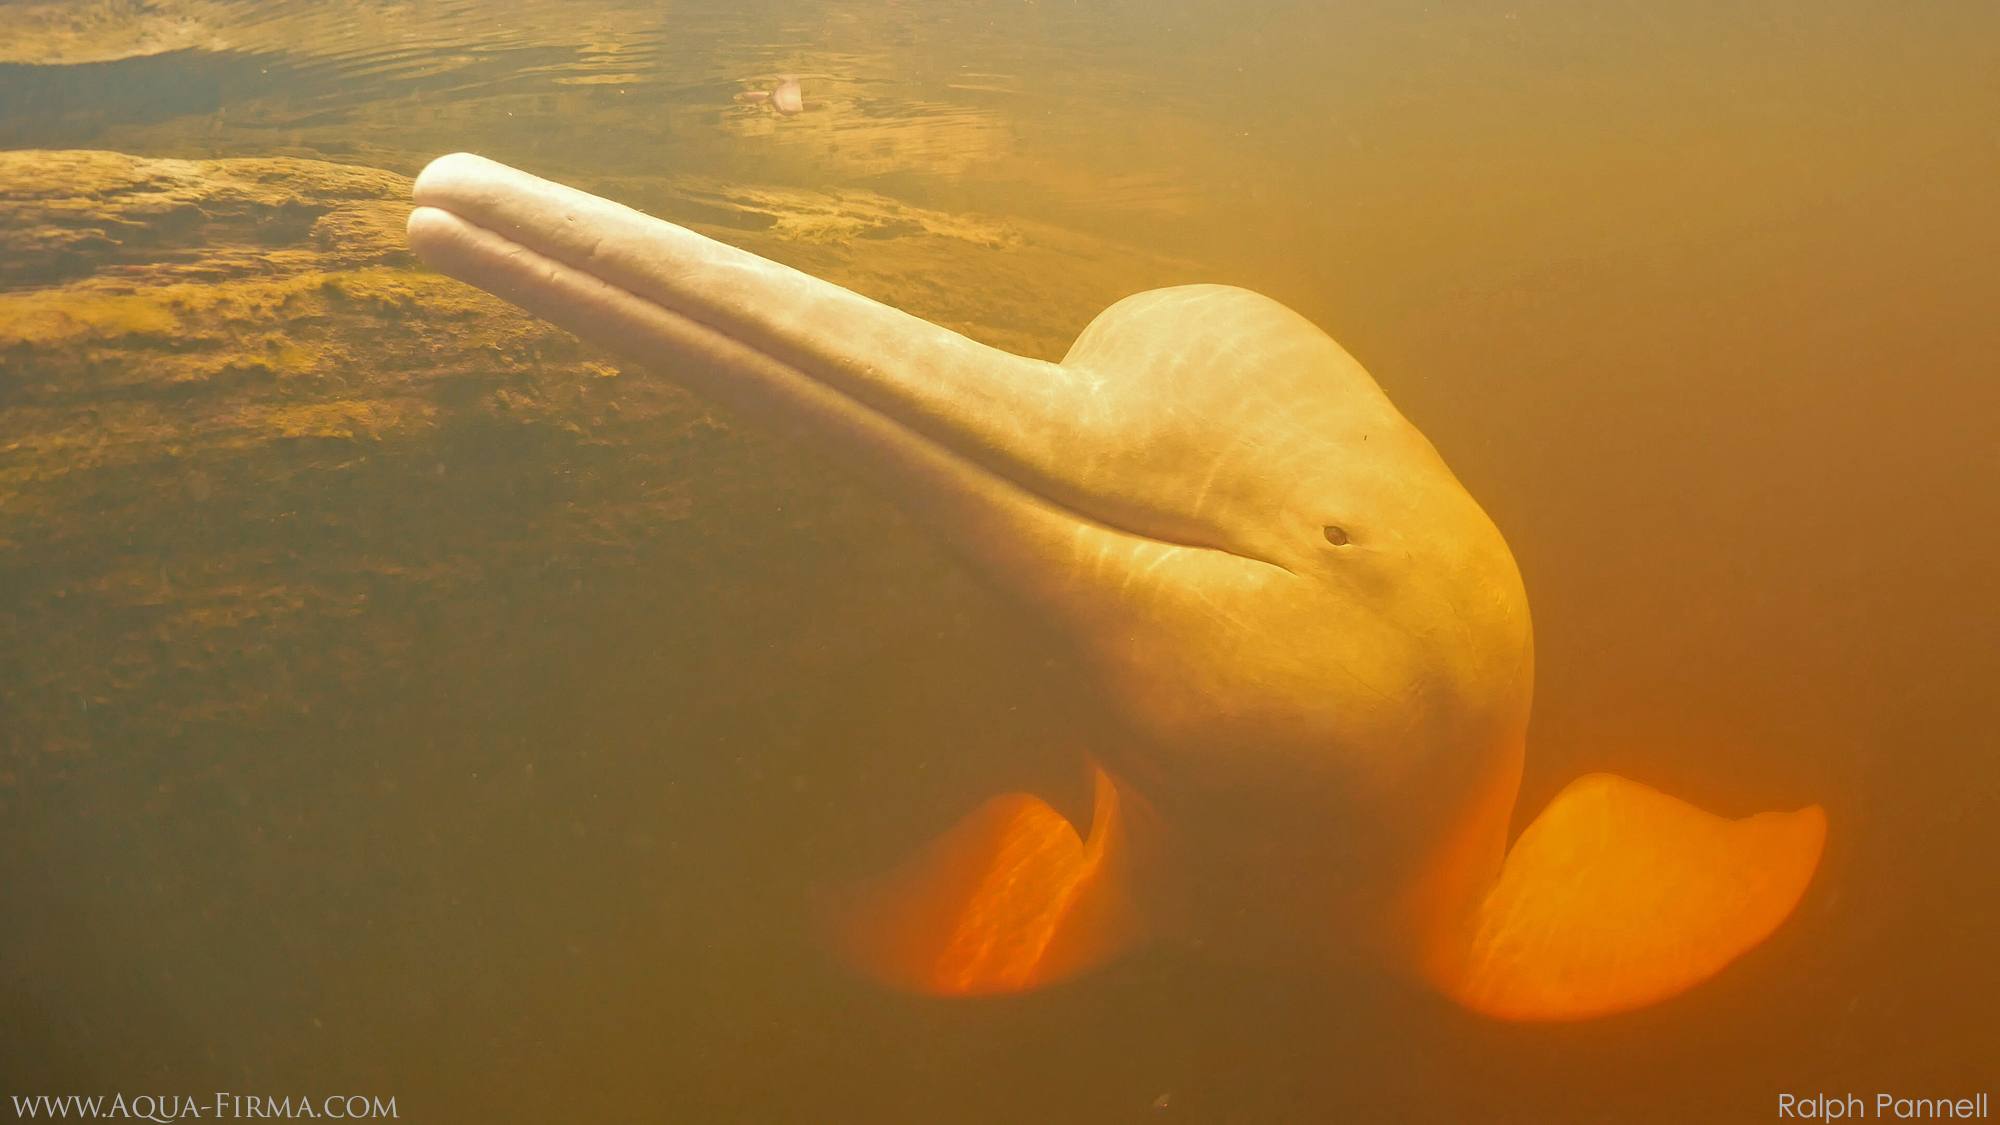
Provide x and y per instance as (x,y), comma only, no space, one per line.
(1010,898)
(1618,896)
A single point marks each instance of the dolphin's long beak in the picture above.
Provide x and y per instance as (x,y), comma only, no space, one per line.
(968,438)
(884,389)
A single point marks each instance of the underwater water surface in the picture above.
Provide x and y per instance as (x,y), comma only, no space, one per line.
(398,697)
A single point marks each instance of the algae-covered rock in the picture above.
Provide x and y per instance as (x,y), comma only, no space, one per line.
(78,213)
(237,422)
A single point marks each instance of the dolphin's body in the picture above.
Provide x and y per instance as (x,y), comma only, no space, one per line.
(785,96)
(1310,646)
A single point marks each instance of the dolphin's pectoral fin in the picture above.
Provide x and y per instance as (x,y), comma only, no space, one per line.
(1618,896)
(1009,899)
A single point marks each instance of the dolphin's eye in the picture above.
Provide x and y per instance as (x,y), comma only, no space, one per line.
(1337,536)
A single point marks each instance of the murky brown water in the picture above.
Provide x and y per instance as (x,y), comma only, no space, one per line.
(1697,300)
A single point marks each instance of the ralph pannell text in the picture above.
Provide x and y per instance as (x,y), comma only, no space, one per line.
(1838,1107)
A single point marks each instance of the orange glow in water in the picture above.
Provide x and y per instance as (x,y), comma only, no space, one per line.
(1010,898)
(1618,896)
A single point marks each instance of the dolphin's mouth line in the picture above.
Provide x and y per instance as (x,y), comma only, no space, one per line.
(530,273)
(943,451)
(960,462)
